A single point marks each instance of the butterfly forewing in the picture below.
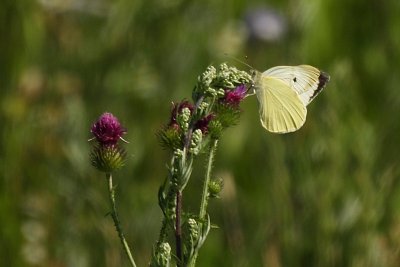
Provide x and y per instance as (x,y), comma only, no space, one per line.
(306,80)
(281,108)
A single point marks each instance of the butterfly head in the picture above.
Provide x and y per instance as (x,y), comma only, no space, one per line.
(255,78)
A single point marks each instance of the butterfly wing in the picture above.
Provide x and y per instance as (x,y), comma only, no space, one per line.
(306,80)
(281,108)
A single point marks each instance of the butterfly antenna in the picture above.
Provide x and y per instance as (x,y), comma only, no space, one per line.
(238,60)
(250,90)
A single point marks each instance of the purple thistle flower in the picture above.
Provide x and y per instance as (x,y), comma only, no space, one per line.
(202,124)
(107,129)
(235,96)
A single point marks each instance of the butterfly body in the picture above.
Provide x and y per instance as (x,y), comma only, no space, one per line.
(284,93)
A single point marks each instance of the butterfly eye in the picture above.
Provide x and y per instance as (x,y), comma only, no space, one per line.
(294,79)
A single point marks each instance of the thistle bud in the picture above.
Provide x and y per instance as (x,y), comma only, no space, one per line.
(108,158)
(170,137)
(107,155)
(215,129)
(215,187)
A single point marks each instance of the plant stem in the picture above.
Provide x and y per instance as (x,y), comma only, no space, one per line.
(204,197)
(114,215)
(178,211)
(178,228)
(163,231)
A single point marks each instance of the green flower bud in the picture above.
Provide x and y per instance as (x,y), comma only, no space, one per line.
(195,143)
(170,137)
(230,77)
(215,187)
(191,237)
(227,114)
(220,92)
(215,129)
(108,158)
(161,256)
(193,230)
(178,153)
(207,77)
(203,108)
(213,82)
(183,119)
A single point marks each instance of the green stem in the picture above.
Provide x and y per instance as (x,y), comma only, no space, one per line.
(165,223)
(178,228)
(114,215)
(205,195)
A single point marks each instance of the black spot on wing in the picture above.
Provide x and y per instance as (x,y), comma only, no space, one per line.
(323,79)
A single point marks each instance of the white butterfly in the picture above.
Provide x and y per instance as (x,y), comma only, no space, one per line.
(283,93)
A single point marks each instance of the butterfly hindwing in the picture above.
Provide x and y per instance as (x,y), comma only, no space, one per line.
(281,109)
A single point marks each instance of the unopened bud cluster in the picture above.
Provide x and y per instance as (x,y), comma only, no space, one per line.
(196,142)
(191,234)
(161,255)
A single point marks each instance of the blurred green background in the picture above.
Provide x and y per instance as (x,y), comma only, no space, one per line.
(327,195)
